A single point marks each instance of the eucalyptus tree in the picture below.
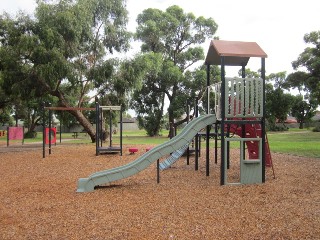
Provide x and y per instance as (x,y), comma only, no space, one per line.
(250,73)
(175,35)
(66,43)
(306,79)
(5,107)
(307,66)
(149,99)
(278,106)
(278,103)
(303,110)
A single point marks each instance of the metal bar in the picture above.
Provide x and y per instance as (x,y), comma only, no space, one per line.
(121,129)
(116,108)
(69,108)
(188,119)
(43,131)
(199,143)
(228,146)
(97,128)
(110,129)
(216,143)
(263,123)
(208,127)
(243,126)
(223,107)
(8,138)
(22,135)
(100,127)
(158,171)
(60,132)
(196,161)
(49,132)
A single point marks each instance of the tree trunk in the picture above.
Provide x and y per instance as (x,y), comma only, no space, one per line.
(301,125)
(171,124)
(33,120)
(83,121)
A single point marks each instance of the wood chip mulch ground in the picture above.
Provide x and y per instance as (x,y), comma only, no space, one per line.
(38,199)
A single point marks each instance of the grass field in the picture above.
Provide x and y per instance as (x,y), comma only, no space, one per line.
(295,141)
(300,143)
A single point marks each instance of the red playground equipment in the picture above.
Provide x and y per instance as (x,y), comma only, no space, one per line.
(253,131)
(133,150)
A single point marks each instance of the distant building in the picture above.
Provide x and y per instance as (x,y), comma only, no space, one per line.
(129,124)
(291,120)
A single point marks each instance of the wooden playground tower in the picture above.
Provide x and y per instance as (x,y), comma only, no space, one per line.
(240,109)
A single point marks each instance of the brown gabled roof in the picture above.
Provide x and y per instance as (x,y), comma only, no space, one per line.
(236,53)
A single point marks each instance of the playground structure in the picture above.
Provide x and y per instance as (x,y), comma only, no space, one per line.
(13,133)
(99,122)
(173,145)
(239,108)
(52,134)
(49,133)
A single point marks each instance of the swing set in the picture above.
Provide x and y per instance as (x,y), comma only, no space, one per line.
(49,133)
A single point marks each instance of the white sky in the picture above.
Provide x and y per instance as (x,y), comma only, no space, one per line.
(277,26)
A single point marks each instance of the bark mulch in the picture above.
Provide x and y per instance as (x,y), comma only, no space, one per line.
(38,199)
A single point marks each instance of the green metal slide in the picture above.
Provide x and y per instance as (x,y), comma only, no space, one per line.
(145,160)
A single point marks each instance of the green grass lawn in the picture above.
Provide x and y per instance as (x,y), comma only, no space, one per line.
(301,143)
(295,141)
(140,137)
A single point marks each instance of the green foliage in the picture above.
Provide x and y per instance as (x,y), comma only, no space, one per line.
(62,52)
(316,128)
(32,134)
(310,60)
(302,110)
(249,73)
(277,128)
(278,103)
(5,117)
(149,100)
(173,37)
(278,79)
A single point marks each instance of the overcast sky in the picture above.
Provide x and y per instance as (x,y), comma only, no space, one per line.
(277,26)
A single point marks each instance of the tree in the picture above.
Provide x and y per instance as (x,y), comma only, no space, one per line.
(309,59)
(278,79)
(278,103)
(278,106)
(176,36)
(148,101)
(249,73)
(5,106)
(66,44)
(303,110)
